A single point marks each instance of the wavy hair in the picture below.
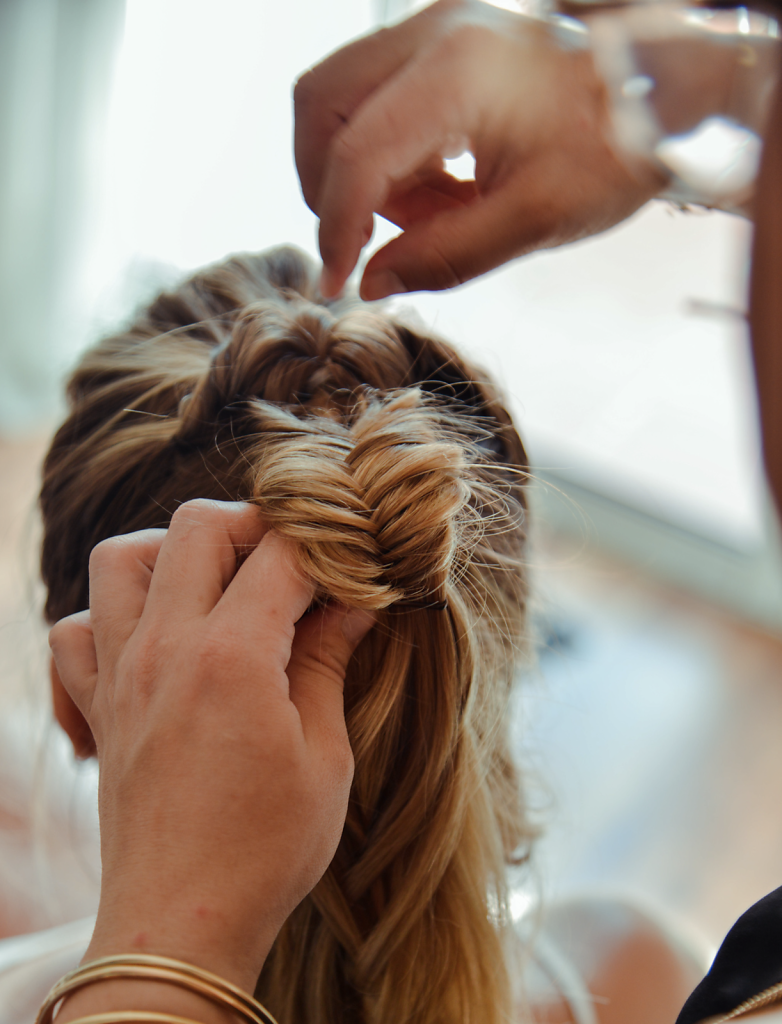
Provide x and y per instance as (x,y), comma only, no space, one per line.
(394,466)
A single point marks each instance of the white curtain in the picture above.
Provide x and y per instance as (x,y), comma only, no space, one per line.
(56,58)
(139,138)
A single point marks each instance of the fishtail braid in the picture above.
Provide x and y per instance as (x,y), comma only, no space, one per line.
(394,466)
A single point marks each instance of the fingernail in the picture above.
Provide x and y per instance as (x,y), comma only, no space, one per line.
(356,624)
(380,284)
(328,286)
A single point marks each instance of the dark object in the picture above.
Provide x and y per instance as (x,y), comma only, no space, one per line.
(748,962)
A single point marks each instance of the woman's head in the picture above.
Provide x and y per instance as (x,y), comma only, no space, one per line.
(396,470)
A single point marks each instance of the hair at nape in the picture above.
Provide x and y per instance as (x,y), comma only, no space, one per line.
(394,466)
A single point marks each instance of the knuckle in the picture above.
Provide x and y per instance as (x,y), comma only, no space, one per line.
(444,271)
(106,554)
(70,629)
(206,513)
(198,510)
(119,555)
(149,655)
(461,43)
(60,634)
(148,652)
(464,54)
(222,653)
(215,652)
(348,147)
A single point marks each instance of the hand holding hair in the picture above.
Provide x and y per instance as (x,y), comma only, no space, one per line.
(387,469)
(215,703)
(374,120)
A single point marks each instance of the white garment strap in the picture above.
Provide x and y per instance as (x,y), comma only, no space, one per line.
(565,979)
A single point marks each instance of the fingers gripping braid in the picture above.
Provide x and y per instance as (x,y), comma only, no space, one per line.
(376,507)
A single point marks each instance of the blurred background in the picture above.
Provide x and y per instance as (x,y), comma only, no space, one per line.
(142,138)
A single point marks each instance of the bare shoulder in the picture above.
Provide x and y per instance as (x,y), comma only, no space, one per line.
(633,962)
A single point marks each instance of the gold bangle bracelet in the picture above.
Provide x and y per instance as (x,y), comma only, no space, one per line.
(91,974)
(161,969)
(133,1017)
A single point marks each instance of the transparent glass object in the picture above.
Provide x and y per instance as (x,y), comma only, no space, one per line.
(690,90)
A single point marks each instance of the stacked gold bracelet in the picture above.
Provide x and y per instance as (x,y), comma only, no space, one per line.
(153,968)
(133,1017)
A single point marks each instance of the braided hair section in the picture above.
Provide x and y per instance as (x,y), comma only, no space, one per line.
(377,508)
(394,466)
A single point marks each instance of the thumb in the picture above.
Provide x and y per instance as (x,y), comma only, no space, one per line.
(459,244)
(322,648)
(74,660)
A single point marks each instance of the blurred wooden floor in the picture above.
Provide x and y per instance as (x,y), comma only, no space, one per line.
(655,719)
(657,722)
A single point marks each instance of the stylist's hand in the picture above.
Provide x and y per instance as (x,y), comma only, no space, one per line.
(216,707)
(374,120)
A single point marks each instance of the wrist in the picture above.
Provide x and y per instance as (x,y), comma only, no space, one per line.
(116,995)
(191,932)
(161,989)
(688,92)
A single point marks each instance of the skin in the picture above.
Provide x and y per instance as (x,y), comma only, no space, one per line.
(374,120)
(214,701)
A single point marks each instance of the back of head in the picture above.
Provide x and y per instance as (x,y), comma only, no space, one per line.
(394,466)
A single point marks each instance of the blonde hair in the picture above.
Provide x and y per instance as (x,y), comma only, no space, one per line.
(396,469)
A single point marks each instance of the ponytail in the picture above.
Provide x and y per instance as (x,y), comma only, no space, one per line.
(394,467)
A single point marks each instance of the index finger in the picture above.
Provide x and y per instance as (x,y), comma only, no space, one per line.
(412,117)
(121,569)
(266,598)
(326,96)
(206,542)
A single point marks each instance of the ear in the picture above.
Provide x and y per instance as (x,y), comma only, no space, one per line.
(70,718)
